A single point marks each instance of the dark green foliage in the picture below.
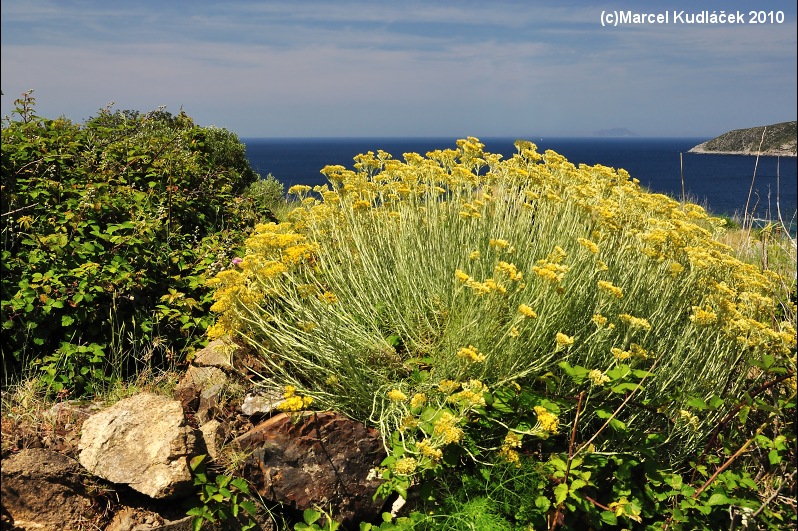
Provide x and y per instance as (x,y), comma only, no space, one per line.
(109,231)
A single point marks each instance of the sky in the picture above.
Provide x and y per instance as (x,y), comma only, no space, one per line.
(374,68)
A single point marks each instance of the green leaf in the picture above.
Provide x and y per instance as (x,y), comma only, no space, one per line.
(249,507)
(542,503)
(774,457)
(197,461)
(578,484)
(623,387)
(743,414)
(240,484)
(310,516)
(718,498)
(697,403)
(609,518)
(560,493)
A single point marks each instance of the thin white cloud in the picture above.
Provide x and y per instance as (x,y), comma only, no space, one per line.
(355,67)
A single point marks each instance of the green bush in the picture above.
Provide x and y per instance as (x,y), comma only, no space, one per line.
(109,231)
(267,194)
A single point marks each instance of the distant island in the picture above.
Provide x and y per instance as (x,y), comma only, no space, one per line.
(780,140)
(617,131)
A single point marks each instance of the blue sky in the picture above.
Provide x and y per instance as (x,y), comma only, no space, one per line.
(296,68)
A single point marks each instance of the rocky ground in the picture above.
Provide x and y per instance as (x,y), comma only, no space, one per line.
(125,467)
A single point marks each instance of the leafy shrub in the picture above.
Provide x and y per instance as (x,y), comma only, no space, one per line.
(473,307)
(109,231)
(266,193)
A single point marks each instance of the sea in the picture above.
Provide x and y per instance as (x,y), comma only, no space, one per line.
(719,183)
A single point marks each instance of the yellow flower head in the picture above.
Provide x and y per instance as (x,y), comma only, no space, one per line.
(446,428)
(589,245)
(448,386)
(527,311)
(471,353)
(418,400)
(499,243)
(395,395)
(702,317)
(635,322)
(547,420)
(597,377)
(563,340)
(427,449)
(405,466)
(619,354)
(611,289)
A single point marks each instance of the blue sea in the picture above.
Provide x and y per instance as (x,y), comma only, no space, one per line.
(720,183)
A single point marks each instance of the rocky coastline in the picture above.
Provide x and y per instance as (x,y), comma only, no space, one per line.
(776,140)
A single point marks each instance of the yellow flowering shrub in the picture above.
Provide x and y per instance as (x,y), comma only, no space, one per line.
(393,267)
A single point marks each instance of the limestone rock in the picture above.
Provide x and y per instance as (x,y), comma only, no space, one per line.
(42,489)
(142,441)
(201,378)
(218,353)
(261,404)
(320,459)
(213,433)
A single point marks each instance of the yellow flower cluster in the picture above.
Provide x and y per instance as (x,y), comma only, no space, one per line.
(550,268)
(510,270)
(428,450)
(597,377)
(273,250)
(418,400)
(448,386)
(405,466)
(480,288)
(395,395)
(446,427)
(599,320)
(589,245)
(507,450)
(472,395)
(635,351)
(547,420)
(702,317)
(563,341)
(294,402)
(611,289)
(527,311)
(470,353)
(635,322)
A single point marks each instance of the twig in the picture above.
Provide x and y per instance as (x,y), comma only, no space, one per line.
(731,459)
(19,209)
(751,190)
(555,520)
(736,409)
(681,174)
(597,504)
(619,408)
(774,495)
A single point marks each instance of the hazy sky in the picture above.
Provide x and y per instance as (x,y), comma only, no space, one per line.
(405,68)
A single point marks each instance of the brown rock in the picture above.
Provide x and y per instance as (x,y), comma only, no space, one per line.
(318,459)
(43,490)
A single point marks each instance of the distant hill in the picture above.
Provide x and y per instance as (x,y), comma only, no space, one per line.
(780,140)
(617,131)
